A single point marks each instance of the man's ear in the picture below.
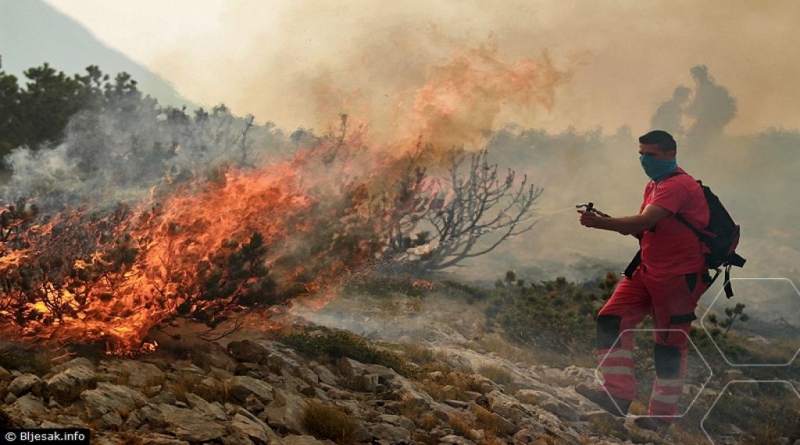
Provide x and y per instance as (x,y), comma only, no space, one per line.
(671,154)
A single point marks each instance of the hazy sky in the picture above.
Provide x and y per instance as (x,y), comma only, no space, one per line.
(272,58)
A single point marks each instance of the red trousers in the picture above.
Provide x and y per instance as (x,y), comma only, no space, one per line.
(670,301)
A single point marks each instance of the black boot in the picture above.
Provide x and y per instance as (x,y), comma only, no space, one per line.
(616,406)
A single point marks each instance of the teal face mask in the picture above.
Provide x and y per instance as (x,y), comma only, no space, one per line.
(657,169)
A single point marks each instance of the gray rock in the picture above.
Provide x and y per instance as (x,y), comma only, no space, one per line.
(27,406)
(166,398)
(79,361)
(219,373)
(598,415)
(239,387)
(5,376)
(211,410)
(190,425)
(161,439)
(214,355)
(67,382)
(390,434)
(351,368)
(397,421)
(109,420)
(457,404)
(384,374)
(285,412)
(532,396)
(108,397)
(252,427)
(24,384)
(248,351)
(301,440)
(185,368)
(456,440)
(136,419)
(253,404)
(67,421)
(137,374)
(308,375)
(326,376)
(561,409)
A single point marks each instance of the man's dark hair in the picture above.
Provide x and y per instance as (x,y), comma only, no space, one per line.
(664,140)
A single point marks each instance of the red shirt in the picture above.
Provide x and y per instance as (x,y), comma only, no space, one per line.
(671,248)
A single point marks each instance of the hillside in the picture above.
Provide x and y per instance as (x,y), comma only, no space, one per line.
(32,33)
(425,369)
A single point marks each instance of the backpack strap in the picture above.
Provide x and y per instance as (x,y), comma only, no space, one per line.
(637,259)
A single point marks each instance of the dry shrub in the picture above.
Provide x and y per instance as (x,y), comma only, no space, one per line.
(460,425)
(427,421)
(193,384)
(488,421)
(496,374)
(452,386)
(328,423)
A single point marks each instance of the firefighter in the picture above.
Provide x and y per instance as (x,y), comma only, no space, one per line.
(665,281)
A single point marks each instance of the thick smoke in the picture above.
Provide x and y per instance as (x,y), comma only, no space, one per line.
(752,174)
(110,157)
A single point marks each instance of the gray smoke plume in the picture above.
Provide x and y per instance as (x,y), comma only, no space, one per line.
(117,156)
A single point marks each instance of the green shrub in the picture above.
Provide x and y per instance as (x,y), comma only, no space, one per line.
(322,342)
(556,315)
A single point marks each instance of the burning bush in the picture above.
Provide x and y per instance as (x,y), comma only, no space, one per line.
(217,220)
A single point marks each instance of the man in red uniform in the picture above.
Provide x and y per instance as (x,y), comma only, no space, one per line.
(666,285)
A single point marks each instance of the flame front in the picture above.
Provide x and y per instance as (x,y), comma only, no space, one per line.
(247,237)
(241,240)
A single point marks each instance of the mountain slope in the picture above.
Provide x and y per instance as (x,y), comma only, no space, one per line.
(32,33)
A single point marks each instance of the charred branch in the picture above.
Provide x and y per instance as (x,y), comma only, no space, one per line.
(477,203)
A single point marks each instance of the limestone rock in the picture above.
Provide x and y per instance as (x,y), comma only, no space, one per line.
(71,380)
(108,397)
(239,387)
(137,374)
(5,376)
(190,425)
(24,384)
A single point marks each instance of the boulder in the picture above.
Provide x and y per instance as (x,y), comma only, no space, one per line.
(109,397)
(5,376)
(389,434)
(239,387)
(190,425)
(211,410)
(137,374)
(26,383)
(247,351)
(284,414)
(71,381)
(252,427)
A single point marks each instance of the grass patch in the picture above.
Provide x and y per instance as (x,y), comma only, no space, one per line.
(497,374)
(194,384)
(328,423)
(461,426)
(325,343)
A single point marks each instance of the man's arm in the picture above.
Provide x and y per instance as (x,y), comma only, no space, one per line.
(626,225)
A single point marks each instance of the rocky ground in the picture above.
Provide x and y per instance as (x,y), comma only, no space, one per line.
(249,389)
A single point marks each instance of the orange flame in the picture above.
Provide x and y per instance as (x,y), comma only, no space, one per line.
(249,237)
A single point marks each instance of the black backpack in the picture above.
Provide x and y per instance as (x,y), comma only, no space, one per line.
(721,235)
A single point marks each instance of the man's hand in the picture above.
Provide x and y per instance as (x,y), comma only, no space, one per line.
(626,225)
(590,218)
